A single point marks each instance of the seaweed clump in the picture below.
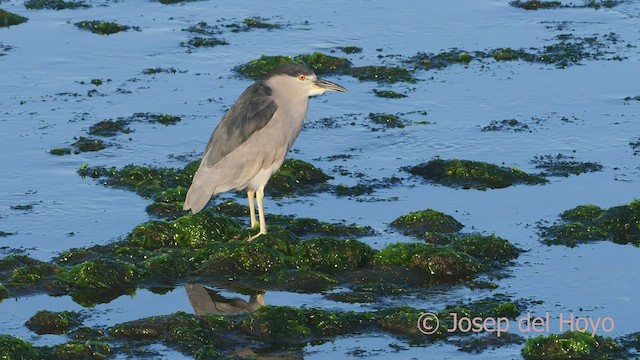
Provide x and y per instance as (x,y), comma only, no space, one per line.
(589,223)
(572,345)
(389,94)
(469,174)
(109,128)
(55,4)
(387,120)
(535,4)
(563,165)
(50,322)
(8,18)
(104,27)
(327,64)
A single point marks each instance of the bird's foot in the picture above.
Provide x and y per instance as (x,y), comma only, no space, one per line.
(257,235)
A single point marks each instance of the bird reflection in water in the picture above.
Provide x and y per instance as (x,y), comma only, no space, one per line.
(209,301)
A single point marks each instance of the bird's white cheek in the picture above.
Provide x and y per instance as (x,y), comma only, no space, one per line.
(316,91)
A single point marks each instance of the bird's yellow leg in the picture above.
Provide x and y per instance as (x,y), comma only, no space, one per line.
(263,223)
(252,208)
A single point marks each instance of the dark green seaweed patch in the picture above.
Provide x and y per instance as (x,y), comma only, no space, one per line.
(389,94)
(540,4)
(104,27)
(326,64)
(635,146)
(387,120)
(469,174)
(108,128)
(511,125)
(563,165)
(572,345)
(590,223)
(55,4)
(350,49)
(50,322)
(199,41)
(10,19)
(85,144)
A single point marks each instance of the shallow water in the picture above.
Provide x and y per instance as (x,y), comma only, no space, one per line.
(50,57)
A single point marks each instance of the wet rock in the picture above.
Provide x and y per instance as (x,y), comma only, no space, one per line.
(588,223)
(469,174)
(10,19)
(55,4)
(155,327)
(14,348)
(563,165)
(387,274)
(324,64)
(419,222)
(50,322)
(571,345)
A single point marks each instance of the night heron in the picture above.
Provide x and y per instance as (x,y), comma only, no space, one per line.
(253,137)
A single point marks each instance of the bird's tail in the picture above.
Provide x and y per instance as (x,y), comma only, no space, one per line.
(197,198)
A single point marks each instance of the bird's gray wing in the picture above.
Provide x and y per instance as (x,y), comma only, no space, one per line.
(250,113)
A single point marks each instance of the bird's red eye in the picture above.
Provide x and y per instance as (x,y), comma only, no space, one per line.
(301,77)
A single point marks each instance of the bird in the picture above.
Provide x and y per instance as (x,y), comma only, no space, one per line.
(252,139)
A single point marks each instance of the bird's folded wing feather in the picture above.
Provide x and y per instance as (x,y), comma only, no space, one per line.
(250,113)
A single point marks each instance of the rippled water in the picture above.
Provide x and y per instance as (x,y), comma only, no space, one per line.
(50,57)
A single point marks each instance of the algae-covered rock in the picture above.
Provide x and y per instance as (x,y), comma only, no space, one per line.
(295,177)
(571,345)
(488,248)
(440,262)
(301,281)
(85,144)
(286,325)
(15,348)
(535,4)
(388,120)
(81,350)
(50,322)
(187,231)
(389,94)
(260,67)
(8,18)
(324,64)
(441,60)
(382,74)
(469,174)
(103,27)
(419,222)
(60,151)
(155,327)
(305,227)
(587,223)
(333,256)
(403,321)
(101,275)
(108,128)
(54,4)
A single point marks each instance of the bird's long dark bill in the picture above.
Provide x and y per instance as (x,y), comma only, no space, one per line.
(329,85)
